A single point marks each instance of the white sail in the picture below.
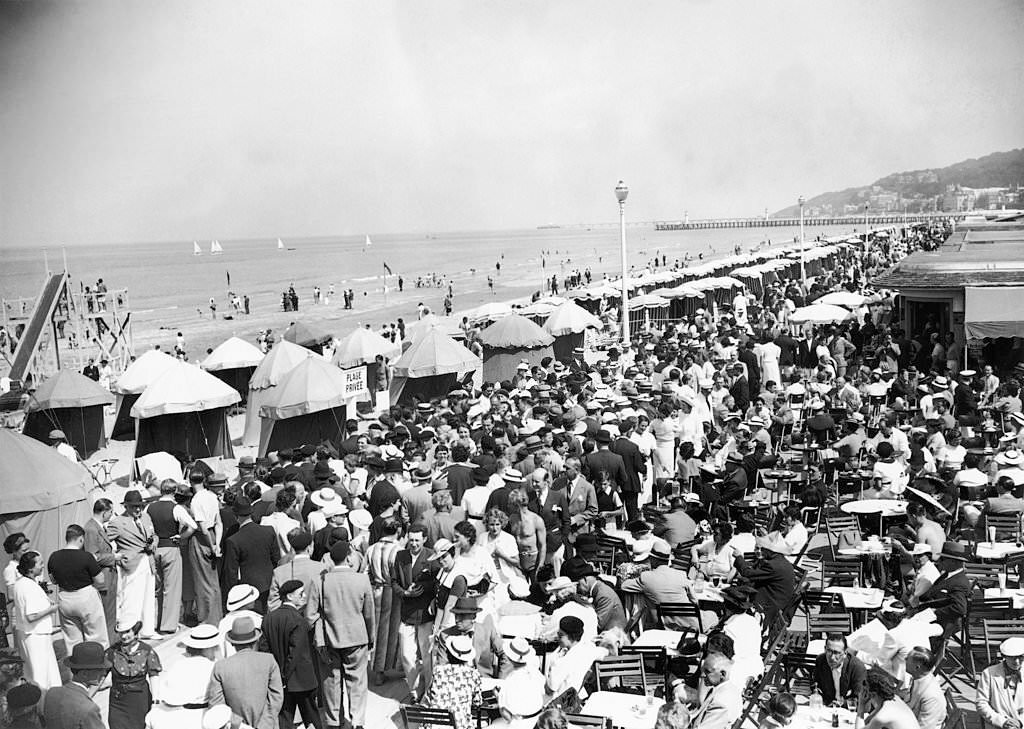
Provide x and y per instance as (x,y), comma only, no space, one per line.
(196,250)
(215,247)
(368,241)
(280,244)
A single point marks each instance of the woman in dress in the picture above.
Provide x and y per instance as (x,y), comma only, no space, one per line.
(380,568)
(133,664)
(456,685)
(451,584)
(504,551)
(715,557)
(885,709)
(665,429)
(33,622)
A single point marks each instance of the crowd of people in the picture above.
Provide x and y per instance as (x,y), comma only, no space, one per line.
(586,500)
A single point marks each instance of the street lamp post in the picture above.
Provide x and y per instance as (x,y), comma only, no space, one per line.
(621,193)
(866,207)
(803,270)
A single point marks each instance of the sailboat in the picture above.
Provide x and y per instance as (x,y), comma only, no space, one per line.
(368,242)
(196,250)
(215,248)
(280,244)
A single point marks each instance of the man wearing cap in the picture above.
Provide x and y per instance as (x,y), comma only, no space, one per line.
(251,553)
(71,706)
(489,649)
(340,606)
(286,636)
(571,661)
(204,550)
(772,575)
(1000,698)
(172,523)
(136,540)
(59,442)
(248,681)
(23,705)
(300,567)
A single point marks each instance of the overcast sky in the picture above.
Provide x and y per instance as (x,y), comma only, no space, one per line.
(148,121)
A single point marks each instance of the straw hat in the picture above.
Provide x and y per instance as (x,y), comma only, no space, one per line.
(202,636)
(460,647)
(240,595)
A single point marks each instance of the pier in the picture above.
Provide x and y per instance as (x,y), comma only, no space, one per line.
(881,219)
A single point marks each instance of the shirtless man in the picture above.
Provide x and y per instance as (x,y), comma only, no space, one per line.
(528,529)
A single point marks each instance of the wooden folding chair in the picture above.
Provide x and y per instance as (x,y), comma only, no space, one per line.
(821,624)
(983,575)
(585,721)
(836,525)
(996,631)
(604,559)
(1007,527)
(413,716)
(627,670)
(655,660)
(679,610)
(821,601)
(798,672)
(841,574)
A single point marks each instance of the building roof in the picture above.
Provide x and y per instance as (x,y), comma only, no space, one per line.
(982,254)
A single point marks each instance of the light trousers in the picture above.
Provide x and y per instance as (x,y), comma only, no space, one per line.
(136,595)
(82,617)
(168,587)
(352,664)
(414,643)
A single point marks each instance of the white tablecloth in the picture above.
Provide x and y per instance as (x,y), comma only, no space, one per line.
(859,598)
(659,638)
(805,718)
(630,711)
(887,507)
(997,550)
(1017,595)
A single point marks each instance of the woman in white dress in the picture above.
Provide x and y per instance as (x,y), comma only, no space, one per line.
(34,622)
(504,551)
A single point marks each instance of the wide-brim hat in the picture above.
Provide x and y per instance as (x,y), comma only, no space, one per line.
(89,655)
(56,434)
(133,498)
(441,547)
(603,436)
(940,383)
(334,508)
(465,606)
(518,650)
(323,497)
(953,550)
(460,647)
(1012,457)
(240,595)
(512,475)
(739,597)
(360,519)
(559,583)
(243,631)
(203,635)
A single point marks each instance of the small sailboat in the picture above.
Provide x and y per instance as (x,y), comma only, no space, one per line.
(280,244)
(196,250)
(368,242)
(215,248)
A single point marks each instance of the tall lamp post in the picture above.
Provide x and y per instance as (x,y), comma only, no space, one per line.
(621,193)
(866,207)
(803,270)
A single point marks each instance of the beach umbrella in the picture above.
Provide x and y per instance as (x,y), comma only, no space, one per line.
(446,325)
(233,353)
(570,318)
(600,290)
(846,299)
(362,346)
(306,336)
(647,301)
(515,331)
(491,310)
(820,314)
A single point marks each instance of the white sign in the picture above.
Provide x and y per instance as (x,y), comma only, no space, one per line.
(355,382)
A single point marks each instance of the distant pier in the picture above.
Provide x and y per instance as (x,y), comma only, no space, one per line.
(847,220)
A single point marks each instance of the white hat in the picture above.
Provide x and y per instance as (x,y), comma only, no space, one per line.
(579,428)
(968,373)
(609,417)
(240,595)
(442,547)
(706,383)
(518,588)
(360,519)
(523,366)
(460,647)
(641,549)
(512,475)
(333,508)
(755,421)
(691,498)
(940,382)
(1012,647)
(217,717)
(1012,457)
(518,650)
(203,635)
(324,496)
(921,549)
(531,426)
(973,479)
(559,583)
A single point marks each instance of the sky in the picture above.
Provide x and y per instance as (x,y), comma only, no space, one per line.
(133,120)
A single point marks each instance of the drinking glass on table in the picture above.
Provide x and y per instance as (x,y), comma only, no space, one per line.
(1002,583)
(992,535)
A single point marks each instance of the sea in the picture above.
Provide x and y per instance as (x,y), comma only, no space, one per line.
(169,287)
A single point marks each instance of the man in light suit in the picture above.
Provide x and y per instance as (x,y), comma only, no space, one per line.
(71,706)
(926,698)
(340,606)
(136,541)
(248,681)
(719,700)
(1001,689)
(582,497)
(97,543)
(301,567)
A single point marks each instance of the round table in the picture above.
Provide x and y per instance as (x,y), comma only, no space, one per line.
(885,508)
(996,550)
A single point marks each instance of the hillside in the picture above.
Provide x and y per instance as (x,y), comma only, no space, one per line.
(928,189)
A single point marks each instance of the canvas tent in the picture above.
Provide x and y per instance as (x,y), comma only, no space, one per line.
(307,406)
(43,493)
(509,341)
(279,361)
(71,402)
(311,338)
(430,367)
(360,348)
(184,412)
(568,324)
(233,362)
(130,385)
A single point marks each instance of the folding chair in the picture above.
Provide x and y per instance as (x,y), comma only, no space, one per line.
(955,718)
(983,575)
(627,670)
(655,659)
(821,624)
(1007,527)
(811,517)
(824,602)
(798,672)
(413,716)
(841,574)
(604,559)
(585,721)
(679,610)
(996,631)
(837,525)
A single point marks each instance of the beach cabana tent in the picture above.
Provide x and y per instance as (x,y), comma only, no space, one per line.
(568,324)
(138,375)
(233,362)
(43,493)
(430,367)
(185,411)
(71,402)
(446,324)
(279,361)
(307,406)
(361,347)
(312,338)
(509,341)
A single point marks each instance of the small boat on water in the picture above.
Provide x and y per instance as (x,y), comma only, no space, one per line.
(196,250)
(215,248)
(280,244)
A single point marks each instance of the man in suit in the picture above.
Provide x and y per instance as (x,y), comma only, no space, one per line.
(1000,688)
(286,637)
(512,481)
(838,675)
(341,605)
(136,541)
(300,567)
(772,576)
(248,681)
(71,706)
(552,506)
(460,473)
(603,598)
(582,497)
(604,460)
(747,356)
(633,460)
(663,584)
(740,388)
(97,543)
(251,553)
(719,700)
(414,580)
(949,594)
(926,698)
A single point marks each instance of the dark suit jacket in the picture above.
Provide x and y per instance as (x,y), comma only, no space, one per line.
(949,596)
(602,460)
(555,513)
(790,350)
(251,555)
(409,572)
(498,499)
(775,582)
(740,392)
(747,357)
(851,678)
(286,637)
(460,480)
(633,460)
(97,543)
(69,707)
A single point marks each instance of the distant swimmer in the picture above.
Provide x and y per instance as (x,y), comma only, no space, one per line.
(490,284)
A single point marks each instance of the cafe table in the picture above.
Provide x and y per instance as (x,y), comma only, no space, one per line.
(859,598)
(885,508)
(660,638)
(629,711)
(808,718)
(997,550)
(1016,595)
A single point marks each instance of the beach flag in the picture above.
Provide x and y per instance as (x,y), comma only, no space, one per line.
(388,269)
